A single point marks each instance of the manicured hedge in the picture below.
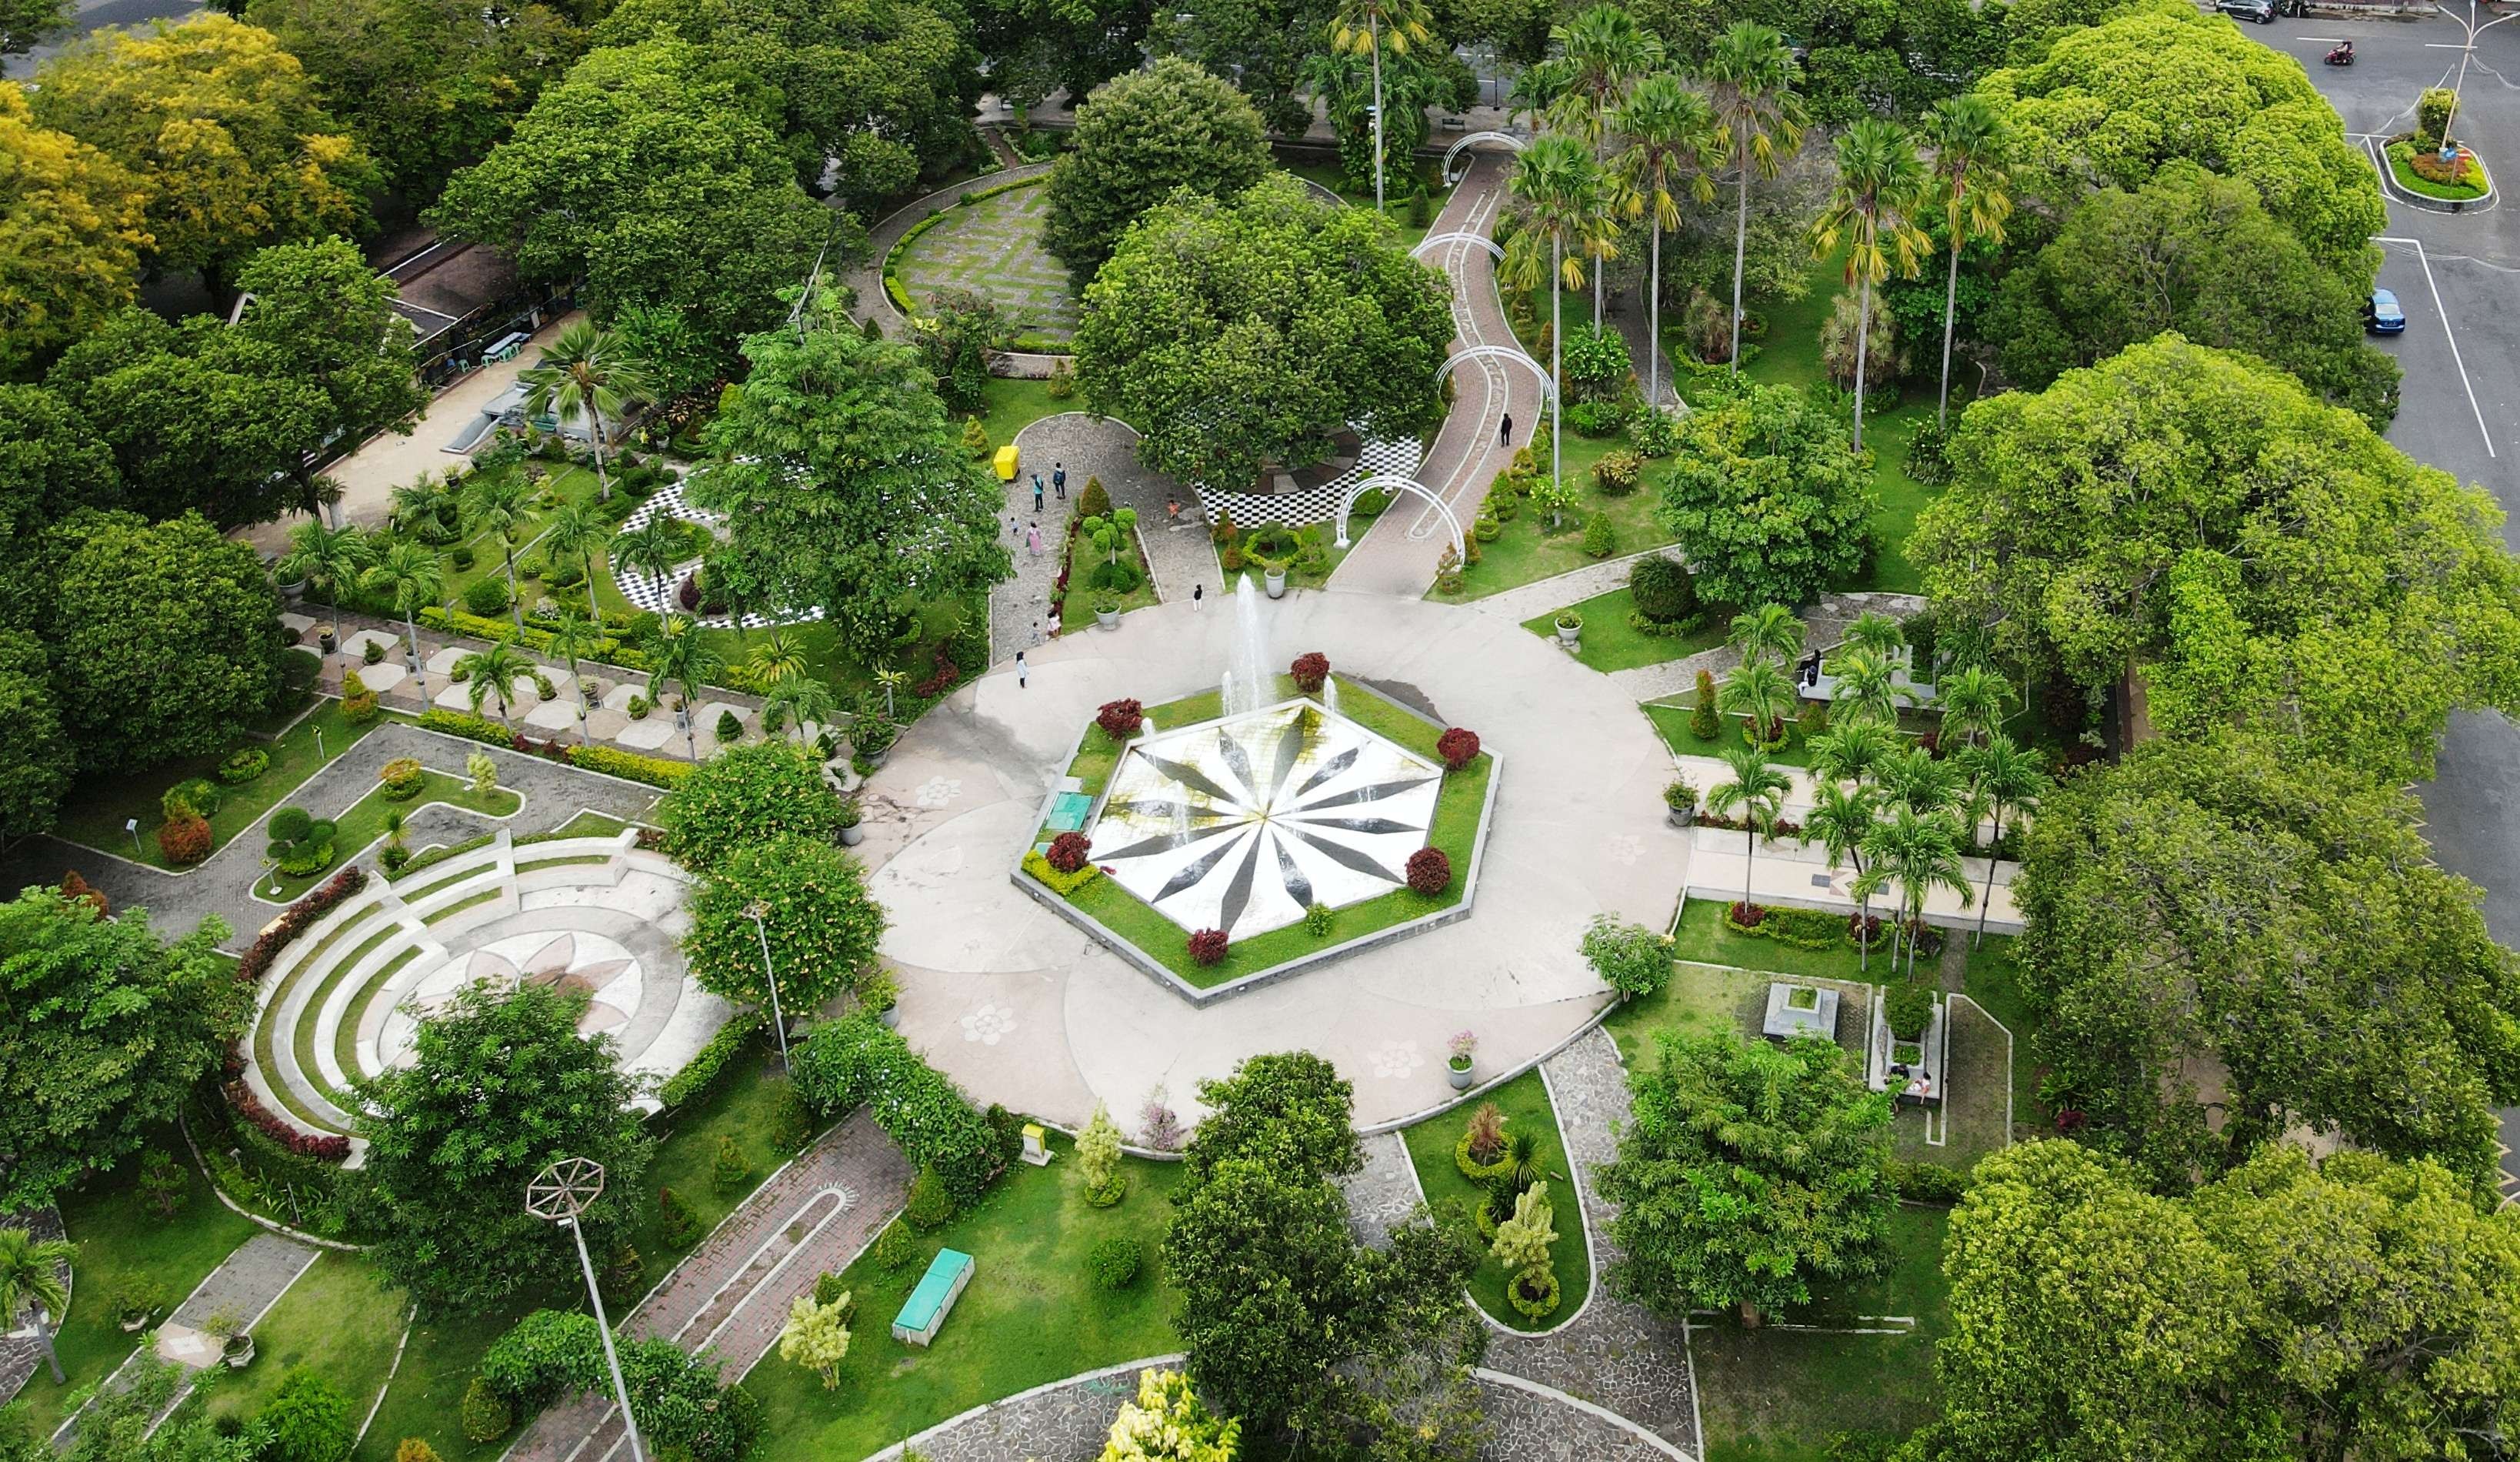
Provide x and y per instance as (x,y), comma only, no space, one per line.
(470,727)
(655,771)
(699,1074)
(855,1060)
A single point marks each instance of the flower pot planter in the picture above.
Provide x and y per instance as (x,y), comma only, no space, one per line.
(294,591)
(1107,619)
(852,834)
(324,639)
(1678,817)
(237,1352)
(1460,1073)
(889,1017)
(1277,582)
(876,758)
(1568,634)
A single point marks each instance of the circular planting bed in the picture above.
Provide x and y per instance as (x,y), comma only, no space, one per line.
(989,243)
(2427,178)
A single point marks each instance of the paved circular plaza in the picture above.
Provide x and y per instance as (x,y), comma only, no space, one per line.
(1024,1009)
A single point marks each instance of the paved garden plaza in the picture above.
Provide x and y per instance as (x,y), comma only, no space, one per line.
(778,745)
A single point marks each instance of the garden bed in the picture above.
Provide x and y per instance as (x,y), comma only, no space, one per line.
(94,813)
(1524,1100)
(2472,183)
(364,824)
(1611,642)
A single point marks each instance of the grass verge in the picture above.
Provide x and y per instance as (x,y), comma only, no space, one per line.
(340,1320)
(1611,643)
(364,822)
(95,811)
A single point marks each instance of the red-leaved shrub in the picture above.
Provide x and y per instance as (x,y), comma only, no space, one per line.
(1310,669)
(1067,851)
(1207,946)
(76,887)
(1430,871)
(1119,720)
(185,840)
(1459,747)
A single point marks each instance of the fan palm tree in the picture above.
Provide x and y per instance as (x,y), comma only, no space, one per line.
(1559,181)
(494,672)
(2006,777)
(578,531)
(1841,819)
(414,575)
(30,1278)
(495,502)
(1972,703)
(1972,180)
(587,375)
(679,655)
(1872,212)
(1918,853)
(1668,130)
(654,548)
(1758,124)
(1769,629)
(1760,693)
(1362,27)
(573,638)
(330,559)
(1864,689)
(1603,51)
(1758,790)
(1854,752)
(795,698)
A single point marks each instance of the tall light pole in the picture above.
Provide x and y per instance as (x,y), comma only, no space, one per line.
(560,1193)
(2458,86)
(756,911)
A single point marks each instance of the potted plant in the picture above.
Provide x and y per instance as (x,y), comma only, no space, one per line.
(135,1301)
(1465,1047)
(1570,625)
(292,589)
(851,814)
(1680,802)
(882,993)
(324,639)
(1106,609)
(236,1347)
(874,737)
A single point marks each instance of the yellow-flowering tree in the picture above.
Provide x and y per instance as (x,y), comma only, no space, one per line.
(1167,1423)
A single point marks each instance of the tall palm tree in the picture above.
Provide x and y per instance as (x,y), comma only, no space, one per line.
(1972,180)
(1769,629)
(587,375)
(653,548)
(1537,89)
(425,499)
(1872,211)
(679,655)
(494,672)
(578,531)
(795,698)
(1864,689)
(1760,693)
(329,558)
(1918,853)
(1758,124)
(1841,819)
(1365,27)
(778,655)
(1972,703)
(2006,777)
(1562,184)
(573,638)
(30,1278)
(1879,633)
(1915,779)
(495,502)
(1854,752)
(414,575)
(1604,51)
(1758,788)
(1669,131)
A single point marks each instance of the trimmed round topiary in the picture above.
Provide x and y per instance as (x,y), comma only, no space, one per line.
(1121,719)
(243,764)
(401,779)
(932,1204)
(185,840)
(1458,747)
(1430,871)
(1310,671)
(1067,851)
(486,596)
(1207,946)
(485,1415)
(1472,1168)
(1533,1292)
(1115,1263)
(1662,589)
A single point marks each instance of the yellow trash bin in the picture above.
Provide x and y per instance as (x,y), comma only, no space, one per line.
(1007,458)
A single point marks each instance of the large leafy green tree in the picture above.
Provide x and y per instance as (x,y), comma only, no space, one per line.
(102,1031)
(1243,333)
(2256,555)
(319,308)
(36,765)
(1769,503)
(426,86)
(70,235)
(224,132)
(743,796)
(1037,47)
(499,1085)
(2229,923)
(2199,255)
(1749,1171)
(23,22)
(2355,1309)
(1137,139)
(845,485)
(1262,44)
(165,638)
(51,465)
(644,159)
(818,922)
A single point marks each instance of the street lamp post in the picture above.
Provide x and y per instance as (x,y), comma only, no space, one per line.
(560,1195)
(2459,87)
(756,911)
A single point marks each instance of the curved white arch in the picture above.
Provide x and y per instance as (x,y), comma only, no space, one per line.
(1459,236)
(1509,354)
(1473,139)
(1394,482)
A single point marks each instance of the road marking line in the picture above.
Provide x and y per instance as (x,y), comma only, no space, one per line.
(2455,358)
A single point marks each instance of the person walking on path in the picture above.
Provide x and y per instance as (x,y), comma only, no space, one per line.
(1036,493)
(1032,539)
(1023,671)
(1199,596)
(1172,512)
(1014,527)
(1059,480)
(1505,431)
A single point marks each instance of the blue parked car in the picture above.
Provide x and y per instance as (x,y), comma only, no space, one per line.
(2382,316)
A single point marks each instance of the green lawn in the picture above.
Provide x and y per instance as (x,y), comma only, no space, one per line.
(2471,183)
(96,809)
(1077,612)
(119,1238)
(364,822)
(1458,805)
(426,1395)
(1704,936)
(1029,1315)
(1524,1100)
(1017,404)
(561,485)
(341,1320)
(742,1106)
(1994,980)
(1610,643)
(1780,1395)
(1530,548)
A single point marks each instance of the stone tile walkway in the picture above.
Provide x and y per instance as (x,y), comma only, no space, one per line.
(866,281)
(1383,1193)
(733,1292)
(1020,616)
(993,249)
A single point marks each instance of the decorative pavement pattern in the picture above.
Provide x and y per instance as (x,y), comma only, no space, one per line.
(1383,1193)
(660,597)
(1320,504)
(993,248)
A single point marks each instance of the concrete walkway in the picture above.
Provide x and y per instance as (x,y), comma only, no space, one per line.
(244,1288)
(1532,600)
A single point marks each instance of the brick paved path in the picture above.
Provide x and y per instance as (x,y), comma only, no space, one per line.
(1383,1193)
(732,1295)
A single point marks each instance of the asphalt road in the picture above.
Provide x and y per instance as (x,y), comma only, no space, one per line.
(2457,276)
(93,14)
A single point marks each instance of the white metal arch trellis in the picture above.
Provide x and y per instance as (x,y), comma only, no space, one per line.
(1396,484)
(1510,355)
(1453,154)
(1458,236)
